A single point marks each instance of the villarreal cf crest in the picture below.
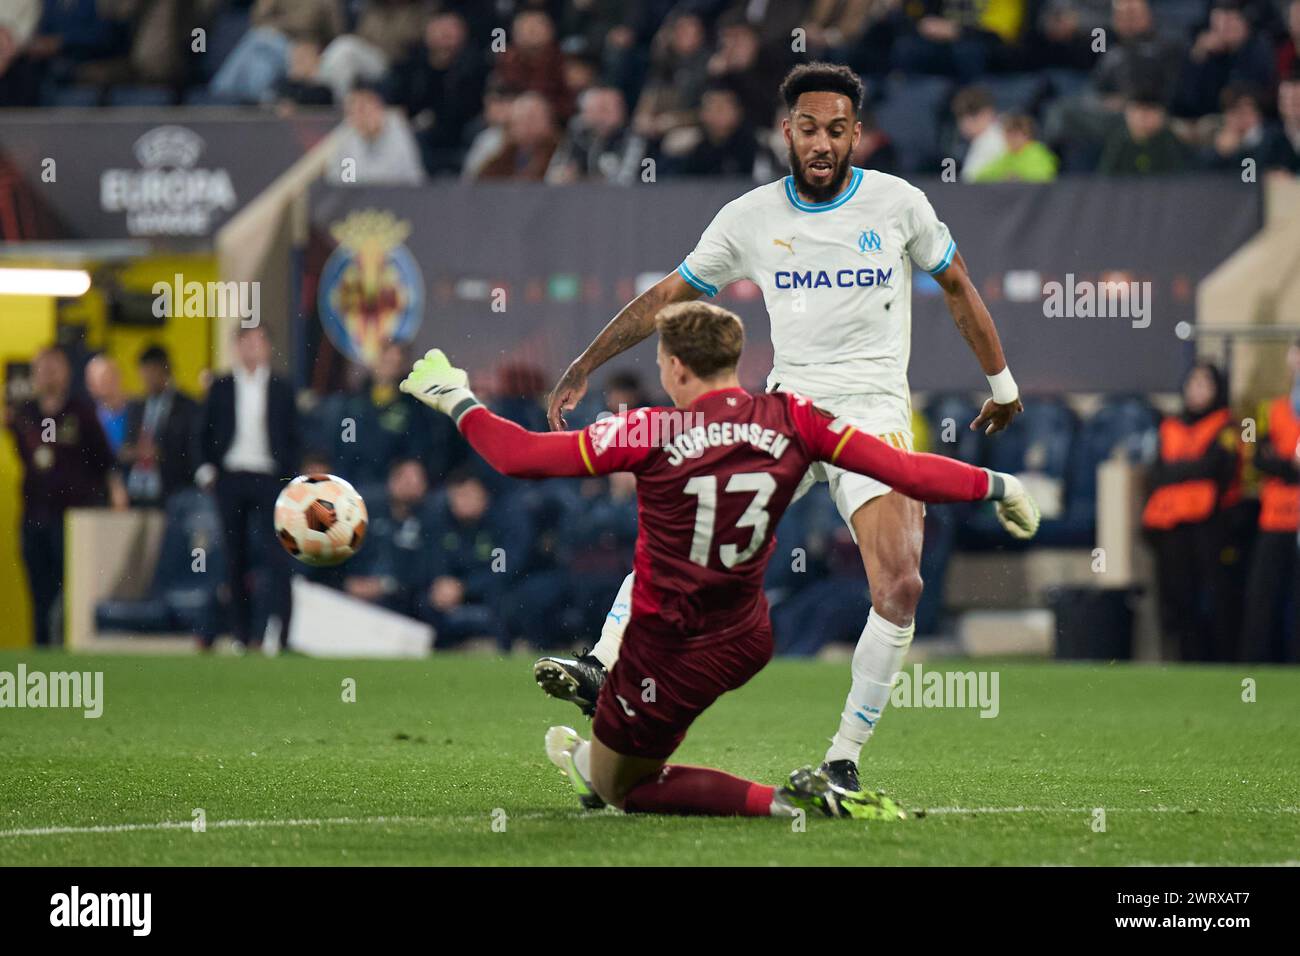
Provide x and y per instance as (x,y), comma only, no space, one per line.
(371,289)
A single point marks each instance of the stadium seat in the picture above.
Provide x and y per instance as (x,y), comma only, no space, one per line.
(140,96)
(1063,82)
(178,599)
(955,409)
(226,32)
(1180,17)
(1014,93)
(1038,445)
(909,113)
(75,96)
(1121,426)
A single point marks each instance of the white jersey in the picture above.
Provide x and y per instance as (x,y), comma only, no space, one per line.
(836,278)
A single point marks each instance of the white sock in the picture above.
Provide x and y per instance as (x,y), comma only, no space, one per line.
(611,633)
(582,759)
(876,662)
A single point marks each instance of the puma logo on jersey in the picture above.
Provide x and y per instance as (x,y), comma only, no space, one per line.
(781,242)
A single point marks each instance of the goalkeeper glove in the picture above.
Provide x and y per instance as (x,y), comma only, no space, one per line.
(437,383)
(1016,511)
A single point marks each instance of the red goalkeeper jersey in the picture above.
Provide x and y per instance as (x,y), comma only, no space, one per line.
(712,483)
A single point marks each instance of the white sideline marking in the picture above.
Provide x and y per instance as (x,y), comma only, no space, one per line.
(257,824)
(434,821)
(941,811)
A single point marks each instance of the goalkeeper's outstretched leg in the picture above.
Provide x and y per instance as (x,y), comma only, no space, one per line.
(579,679)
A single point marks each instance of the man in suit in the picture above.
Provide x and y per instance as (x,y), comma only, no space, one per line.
(67,463)
(246,445)
(159,433)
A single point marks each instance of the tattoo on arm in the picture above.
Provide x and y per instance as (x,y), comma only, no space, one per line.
(634,322)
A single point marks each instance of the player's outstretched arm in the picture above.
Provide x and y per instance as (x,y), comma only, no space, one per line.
(633,323)
(937,479)
(925,477)
(976,326)
(507,447)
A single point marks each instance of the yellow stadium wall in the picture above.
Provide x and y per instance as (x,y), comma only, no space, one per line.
(28,324)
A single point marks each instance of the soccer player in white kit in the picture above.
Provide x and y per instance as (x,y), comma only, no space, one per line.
(832,247)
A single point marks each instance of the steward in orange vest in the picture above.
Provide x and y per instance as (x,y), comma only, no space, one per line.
(1274,581)
(1189,520)
(1276,461)
(1199,470)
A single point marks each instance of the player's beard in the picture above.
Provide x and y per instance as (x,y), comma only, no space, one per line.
(819,193)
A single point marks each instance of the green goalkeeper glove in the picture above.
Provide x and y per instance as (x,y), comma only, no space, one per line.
(440,385)
(1016,511)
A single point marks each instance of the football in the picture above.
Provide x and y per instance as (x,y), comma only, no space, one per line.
(320,519)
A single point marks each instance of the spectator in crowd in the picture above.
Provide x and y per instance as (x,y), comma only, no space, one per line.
(857,32)
(1272,591)
(581,72)
(1139,56)
(474,542)
(530,142)
(773,23)
(386,31)
(486,135)
(1288,48)
(251,71)
(246,440)
(957,38)
(1281,149)
(20,71)
(104,386)
(300,86)
(624,391)
(376,147)
(1241,131)
(393,569)
(1143,145)
(743,64)
(599,539)
(384,425)
(1195,479)
(1229,50)
(155,42)
(532,61)
(727,145)
(440,85)
(1026,160)
(67,463)
(158,446)
(979,126)
(600,144)
(875,150)
(1060,34)
(679,67)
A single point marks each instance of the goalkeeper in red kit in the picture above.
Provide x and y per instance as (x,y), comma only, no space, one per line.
(714,475)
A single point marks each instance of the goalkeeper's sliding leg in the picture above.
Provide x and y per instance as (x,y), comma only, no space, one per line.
(579,679)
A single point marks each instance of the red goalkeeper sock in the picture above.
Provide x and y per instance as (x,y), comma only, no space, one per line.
(699,791)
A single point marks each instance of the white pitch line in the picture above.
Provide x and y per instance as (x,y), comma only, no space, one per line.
(213,825)
(257,824)
(467,818)
(957,811)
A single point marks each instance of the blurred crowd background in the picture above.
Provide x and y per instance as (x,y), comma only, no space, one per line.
(626,92)
(488,559)
(580,89)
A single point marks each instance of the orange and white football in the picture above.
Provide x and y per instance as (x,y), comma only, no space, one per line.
(320,519)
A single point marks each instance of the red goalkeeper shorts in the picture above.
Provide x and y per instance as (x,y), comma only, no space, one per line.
(656,690)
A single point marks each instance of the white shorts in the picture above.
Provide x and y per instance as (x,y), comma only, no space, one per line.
(886,417)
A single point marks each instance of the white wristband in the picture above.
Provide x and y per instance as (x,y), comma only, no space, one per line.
(1004,387)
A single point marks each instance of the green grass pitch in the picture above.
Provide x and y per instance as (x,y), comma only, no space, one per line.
(433,753)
